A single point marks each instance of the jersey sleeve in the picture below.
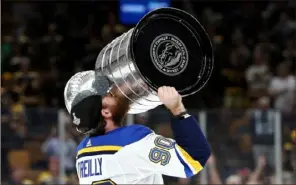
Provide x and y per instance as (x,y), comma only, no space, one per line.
(162,155)
(183,157)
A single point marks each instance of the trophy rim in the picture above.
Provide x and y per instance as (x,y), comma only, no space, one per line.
(208,56)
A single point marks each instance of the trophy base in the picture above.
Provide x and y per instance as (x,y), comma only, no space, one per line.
(171,48)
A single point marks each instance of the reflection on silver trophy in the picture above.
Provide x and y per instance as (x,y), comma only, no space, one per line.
(167,47)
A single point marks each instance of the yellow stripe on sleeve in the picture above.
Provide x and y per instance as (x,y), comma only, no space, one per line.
(189,160)
(98,149)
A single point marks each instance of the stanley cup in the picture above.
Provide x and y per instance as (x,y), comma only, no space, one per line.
(167,47)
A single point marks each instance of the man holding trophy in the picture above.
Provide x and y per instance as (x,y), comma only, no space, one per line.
(167,56)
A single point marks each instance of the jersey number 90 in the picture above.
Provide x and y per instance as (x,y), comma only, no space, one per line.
(160,153)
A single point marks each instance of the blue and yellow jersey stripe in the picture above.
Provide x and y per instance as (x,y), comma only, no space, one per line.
(191,166)
(111,142)
(96,150)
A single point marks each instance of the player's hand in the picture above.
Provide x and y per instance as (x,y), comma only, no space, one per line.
(171,99)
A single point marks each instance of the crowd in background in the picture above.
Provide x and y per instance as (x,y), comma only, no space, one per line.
(43,44)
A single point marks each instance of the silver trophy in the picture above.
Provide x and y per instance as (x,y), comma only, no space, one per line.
(167,47)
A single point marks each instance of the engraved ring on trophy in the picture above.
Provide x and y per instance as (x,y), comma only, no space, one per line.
(167,47)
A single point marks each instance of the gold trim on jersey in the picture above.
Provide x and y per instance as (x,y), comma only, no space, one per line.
(189,160)
(103,182)
(98,149)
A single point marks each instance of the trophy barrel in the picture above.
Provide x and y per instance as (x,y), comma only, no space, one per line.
(170,47)
(167,47)
(114,62)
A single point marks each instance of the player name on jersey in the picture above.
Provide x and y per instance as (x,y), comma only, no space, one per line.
(90,167)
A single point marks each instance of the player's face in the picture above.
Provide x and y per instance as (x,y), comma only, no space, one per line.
(114,108)
(108,106)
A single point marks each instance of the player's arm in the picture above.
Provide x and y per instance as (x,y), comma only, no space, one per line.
(183,157)
(187,132)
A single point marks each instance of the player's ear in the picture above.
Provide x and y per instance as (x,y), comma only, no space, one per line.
(106,113)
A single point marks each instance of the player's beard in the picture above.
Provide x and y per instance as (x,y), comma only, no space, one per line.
(120,110)
(118,114)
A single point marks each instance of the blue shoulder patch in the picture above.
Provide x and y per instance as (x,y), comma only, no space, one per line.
(119,137)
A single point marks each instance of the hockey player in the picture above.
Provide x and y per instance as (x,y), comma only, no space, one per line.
(112,153)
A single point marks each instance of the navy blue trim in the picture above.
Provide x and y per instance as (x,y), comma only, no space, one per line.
(96,153)
(189,136)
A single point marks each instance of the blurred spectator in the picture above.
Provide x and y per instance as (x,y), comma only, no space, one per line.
(32,96)
(284,28)
(269,47)
(258,74)
(240,177)
(52,175)
(13,128)
(240,43)
(51,81)
(19,59)
(11,97)
(17,108)
(262,127)
(18,177)
(282,88)
(13,134)
(24,75)
(52,148)
(234,81)
(12,117)
(289,153)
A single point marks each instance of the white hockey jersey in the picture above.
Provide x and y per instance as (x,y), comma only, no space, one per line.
(132,155)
